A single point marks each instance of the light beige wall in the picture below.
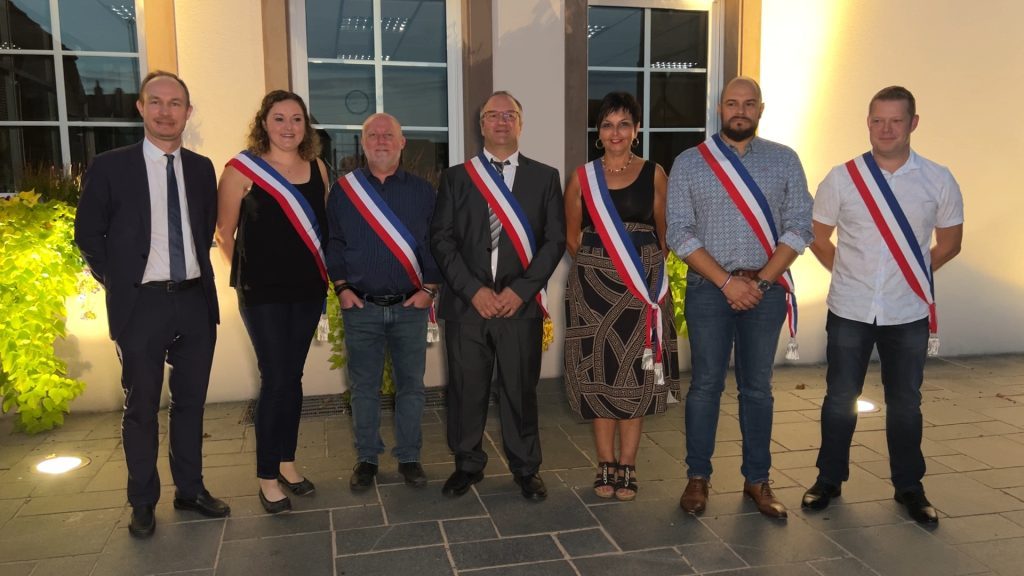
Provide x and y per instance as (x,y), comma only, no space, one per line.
(820,64)
(529,62)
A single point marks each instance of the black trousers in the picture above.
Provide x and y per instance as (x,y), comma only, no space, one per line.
(172,328)
(281,334)
(472,349)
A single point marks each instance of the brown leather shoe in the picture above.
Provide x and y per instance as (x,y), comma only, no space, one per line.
(761,494)
(695,497)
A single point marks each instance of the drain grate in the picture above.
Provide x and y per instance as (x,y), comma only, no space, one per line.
(338,404)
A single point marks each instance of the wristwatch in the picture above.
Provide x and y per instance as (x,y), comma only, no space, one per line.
(763,285)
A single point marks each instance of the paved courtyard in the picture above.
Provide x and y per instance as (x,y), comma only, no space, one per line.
(974,443)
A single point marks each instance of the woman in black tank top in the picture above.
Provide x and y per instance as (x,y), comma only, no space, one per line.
(280,281)
(608,379)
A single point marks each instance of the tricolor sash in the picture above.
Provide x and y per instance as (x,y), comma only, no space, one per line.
(294,205)
(753,205)
(895,229)
(609,226)
(390,229)
(492,187)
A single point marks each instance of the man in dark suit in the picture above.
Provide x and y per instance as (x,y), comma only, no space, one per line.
(150,250)
(490,302)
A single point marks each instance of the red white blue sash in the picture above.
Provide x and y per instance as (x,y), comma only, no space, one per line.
(895,229)
(492,187)
(388,227)
(753,205)
(294,205)
(609,226)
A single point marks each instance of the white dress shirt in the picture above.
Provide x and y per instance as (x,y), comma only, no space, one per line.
(158,266)
(867,284)
(509,175)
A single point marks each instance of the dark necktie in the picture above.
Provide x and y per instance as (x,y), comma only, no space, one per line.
(495,222)
(176,240)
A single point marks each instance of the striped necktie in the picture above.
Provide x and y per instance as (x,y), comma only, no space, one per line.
(495,222)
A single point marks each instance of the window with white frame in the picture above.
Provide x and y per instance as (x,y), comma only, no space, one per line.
(662,56)
(365,56)
(69,79)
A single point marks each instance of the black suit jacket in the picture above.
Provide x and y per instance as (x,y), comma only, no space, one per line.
(112,225)
(460,238)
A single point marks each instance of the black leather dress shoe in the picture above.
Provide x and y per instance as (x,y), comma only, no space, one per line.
(143,522)
(205,504)
(276,506)
(300,488)
(918,506)
(818,496)
(460,481)
(413,474)
(362,476)
(532,486)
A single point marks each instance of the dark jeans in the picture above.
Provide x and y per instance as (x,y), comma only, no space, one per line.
(902,350)
(751,337)
(281,334)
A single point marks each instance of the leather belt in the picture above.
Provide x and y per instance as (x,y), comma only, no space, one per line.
(385,299)
(171,287)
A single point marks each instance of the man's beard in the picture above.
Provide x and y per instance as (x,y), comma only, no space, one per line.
(739,135)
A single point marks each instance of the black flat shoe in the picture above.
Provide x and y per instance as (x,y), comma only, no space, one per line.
(143,523)
(918,506)
(275,507)
(532,487)
(205,504)
(460,481)
(818,496)
(300,488)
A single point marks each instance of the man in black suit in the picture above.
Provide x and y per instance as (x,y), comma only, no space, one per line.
(489,303)
(151,252)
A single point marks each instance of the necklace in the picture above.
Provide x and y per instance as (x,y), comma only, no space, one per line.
(620,169)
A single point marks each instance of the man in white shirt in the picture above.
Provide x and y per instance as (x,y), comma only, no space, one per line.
(885,205)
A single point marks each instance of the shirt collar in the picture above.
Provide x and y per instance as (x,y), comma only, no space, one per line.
(513,160)
(399,174)
(154,153)
(751,146)
(910,165)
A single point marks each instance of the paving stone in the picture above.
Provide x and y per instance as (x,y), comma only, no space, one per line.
(798,435)
(949,412)
(67,566)
(17,568)
(1016,517)
(1001,556)
(276,525)
(967,529)
(405,504)
(585,542)
(661,562)
(469,530)
(958,495)
(8,508)
(953,432)
(553,568)
(904,549)
(842,567)
(994,451)
(802,569)
(795,459)
(711,557)
(664,524)
(961,463)
(760,541)
(172,548)
(306,554)
(380,538)
(506,551)
(515,516)
(840,516)
(73,503)
(55,535)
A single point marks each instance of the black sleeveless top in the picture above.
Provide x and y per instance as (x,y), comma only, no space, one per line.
(271,263)
(634,203)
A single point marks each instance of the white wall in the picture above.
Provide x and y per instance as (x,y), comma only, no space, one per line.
(822,62)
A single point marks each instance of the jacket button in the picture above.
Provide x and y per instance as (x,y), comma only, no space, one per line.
(136,284)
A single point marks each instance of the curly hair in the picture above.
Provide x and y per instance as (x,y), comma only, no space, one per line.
(258,141)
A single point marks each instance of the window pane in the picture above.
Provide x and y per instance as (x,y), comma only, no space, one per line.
(413,30)
(25,25)
(416,96)
(29,88)
(425,154)
(341,93)
(679,39)
(38,147)
(601,83)
(99,25)
(678,100)
(339,29)
(593,153)
(340,150)
(101,88)
(87,142)
(665,146)
(615,37)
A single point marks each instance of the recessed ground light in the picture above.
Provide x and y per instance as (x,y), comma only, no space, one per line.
(864,405)
(54,464)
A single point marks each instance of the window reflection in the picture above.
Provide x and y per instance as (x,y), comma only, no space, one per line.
(23,148)
(101,87)
(98,25)
(29,88)
(24,25)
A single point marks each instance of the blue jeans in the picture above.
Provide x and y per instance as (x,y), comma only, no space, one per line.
(714,330)
(902,350)
(403,331)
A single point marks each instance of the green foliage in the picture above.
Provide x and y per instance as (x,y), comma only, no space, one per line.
(339,356)
(677,283)
(39,267)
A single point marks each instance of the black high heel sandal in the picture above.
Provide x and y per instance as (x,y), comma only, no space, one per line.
(625,483)
(606,472)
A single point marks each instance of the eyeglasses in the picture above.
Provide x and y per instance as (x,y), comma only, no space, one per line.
(506,116)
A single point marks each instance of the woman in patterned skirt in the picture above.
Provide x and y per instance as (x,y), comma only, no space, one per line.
(608,327)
